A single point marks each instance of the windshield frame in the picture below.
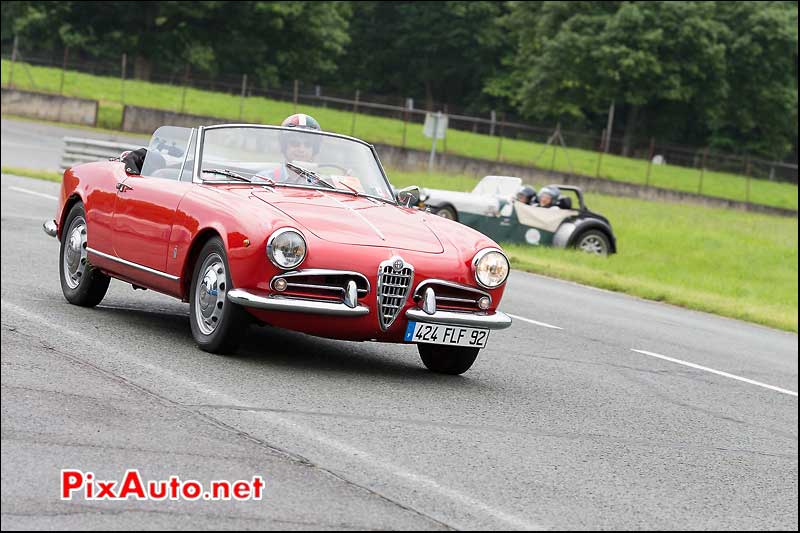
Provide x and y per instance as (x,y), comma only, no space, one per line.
(201,135)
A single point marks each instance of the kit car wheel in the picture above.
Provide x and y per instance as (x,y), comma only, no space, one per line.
(81,283)
(593,242)
(447,212)
(447,359)
(217,324)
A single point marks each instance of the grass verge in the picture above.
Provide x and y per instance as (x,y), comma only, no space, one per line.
(109,92)
(739,265)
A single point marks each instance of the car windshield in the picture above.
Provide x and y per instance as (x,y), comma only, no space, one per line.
(285,157)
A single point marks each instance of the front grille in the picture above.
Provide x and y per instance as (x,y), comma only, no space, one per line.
(393,286)
(452,296)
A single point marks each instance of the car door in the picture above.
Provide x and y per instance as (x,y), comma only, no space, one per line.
(145,204)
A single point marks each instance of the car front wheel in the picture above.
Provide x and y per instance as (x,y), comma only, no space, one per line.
(593,242)
(447,359)
(217,324)
(81,283)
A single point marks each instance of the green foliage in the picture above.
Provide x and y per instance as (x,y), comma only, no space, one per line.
(717,72)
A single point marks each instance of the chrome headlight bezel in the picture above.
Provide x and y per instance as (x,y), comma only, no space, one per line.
(480,256)
(271,248)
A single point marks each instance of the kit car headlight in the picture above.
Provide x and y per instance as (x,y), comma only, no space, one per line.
(491,268)
(286,248)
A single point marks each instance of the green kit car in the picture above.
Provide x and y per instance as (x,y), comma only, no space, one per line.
(492,209)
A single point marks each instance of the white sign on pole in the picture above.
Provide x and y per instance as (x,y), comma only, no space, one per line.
(435,123)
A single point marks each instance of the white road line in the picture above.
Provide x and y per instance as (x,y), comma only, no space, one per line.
(718,372)
(534,322)
(26,191)
(308,432)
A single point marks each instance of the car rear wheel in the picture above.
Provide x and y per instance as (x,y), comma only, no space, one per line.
(447,359)
(81,283)
(594,242)
(217,324)
(447,212)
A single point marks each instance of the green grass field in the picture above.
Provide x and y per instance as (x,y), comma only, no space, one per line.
(735,264)
(108,90)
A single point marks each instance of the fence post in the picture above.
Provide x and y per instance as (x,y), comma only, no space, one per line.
(493,118)
(355,111)
(610,126)
(650,160)
(600,153)
(444,141)
(553,159)
(241,99)
(185,87)
(13,60)
(702,170)
(406,109)
(122,78)
(748,168)
(63,71)
(294,97)
(500,136)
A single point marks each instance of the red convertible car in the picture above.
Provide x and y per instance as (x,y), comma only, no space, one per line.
(224,218)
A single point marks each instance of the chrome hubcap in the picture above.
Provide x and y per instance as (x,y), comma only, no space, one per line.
(210,294)
(75,253)
(445,213)
(593,245)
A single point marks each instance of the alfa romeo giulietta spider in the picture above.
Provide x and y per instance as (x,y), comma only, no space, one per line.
(224,218)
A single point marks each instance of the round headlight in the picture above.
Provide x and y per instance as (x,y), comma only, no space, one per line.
(491,268)
(286,248)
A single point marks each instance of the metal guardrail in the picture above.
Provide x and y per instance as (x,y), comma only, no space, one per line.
(78,150)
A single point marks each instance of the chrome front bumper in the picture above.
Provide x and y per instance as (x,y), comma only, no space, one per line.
(294,305)
(50,228)
(497,320)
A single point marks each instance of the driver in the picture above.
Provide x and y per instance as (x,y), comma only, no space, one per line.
(548,196)
(526,194)
(297,147)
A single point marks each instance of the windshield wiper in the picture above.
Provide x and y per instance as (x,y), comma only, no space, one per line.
(309,175)
(226,172)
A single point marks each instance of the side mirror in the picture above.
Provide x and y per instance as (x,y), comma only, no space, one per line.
(408,196)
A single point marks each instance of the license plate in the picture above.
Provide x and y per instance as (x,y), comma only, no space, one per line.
(449,335)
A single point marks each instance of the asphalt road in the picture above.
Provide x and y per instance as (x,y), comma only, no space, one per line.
(551,428)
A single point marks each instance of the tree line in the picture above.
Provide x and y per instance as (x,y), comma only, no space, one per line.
(719,74)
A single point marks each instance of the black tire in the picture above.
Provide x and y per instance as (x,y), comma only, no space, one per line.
(218,325)
(447,212)
(81,283)
(593,241)
(452,360)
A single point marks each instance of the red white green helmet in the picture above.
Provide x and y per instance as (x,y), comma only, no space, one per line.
(301,120)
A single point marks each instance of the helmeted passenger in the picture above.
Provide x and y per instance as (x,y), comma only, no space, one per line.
(548,196)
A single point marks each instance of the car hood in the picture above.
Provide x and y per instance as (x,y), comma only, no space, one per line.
(355,220)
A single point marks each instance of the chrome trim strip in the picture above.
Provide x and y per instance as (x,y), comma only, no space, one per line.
(293,305)
(134,265)
(452,285)
(497,320)
(50,228)
(323,272)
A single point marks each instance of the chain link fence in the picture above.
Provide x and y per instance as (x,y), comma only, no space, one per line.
(496,136)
